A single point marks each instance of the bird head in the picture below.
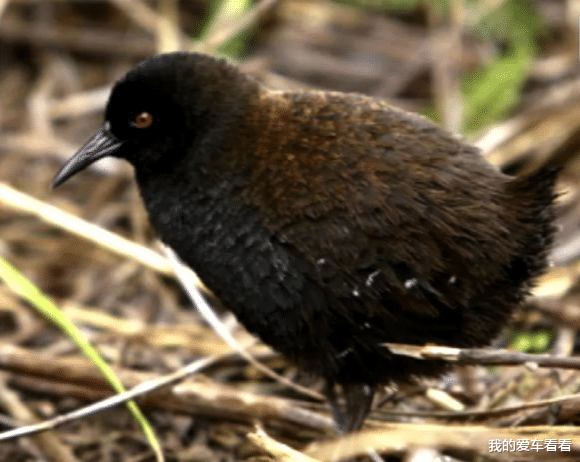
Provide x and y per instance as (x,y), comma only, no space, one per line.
(167,107)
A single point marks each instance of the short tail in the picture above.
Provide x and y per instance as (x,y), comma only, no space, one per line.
(536,190)
(534,196)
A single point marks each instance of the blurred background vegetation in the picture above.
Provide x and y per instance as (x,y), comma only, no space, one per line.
(504,74)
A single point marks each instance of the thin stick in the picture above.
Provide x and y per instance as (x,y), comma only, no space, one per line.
(218,37)
(481,356)
(75,225)
(139,390)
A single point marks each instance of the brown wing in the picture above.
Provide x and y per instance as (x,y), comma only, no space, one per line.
(394,210)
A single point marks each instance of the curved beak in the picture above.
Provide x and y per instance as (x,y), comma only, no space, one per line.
(103,144)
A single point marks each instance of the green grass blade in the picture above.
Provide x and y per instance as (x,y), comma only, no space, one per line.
(28,291)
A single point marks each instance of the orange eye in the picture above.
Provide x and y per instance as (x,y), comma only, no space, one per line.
(143,120)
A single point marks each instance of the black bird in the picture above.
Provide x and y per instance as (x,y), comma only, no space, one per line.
(329,223)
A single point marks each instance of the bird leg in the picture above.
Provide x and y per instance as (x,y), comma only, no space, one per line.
(358,398)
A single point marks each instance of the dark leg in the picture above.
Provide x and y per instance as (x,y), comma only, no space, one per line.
(335,408)
(358,400)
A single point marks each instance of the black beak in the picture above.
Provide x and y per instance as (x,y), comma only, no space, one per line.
(103,144)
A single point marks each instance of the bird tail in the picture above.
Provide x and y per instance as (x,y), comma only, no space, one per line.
(534,197)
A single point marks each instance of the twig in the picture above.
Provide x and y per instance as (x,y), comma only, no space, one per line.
(216,38)
(168,34)
(35,144)
(74,376)
(139,12)
(73,39)
(139,390)
(481,356)
(50,445)
(194,337)
(279,451)
(569,400)
(76,104)
(464,439)
(73,224)
(251,406)
(3,5)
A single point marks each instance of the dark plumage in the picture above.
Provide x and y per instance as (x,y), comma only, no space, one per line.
(329,223)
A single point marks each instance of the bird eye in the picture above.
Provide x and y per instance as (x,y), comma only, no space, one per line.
(143,120)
